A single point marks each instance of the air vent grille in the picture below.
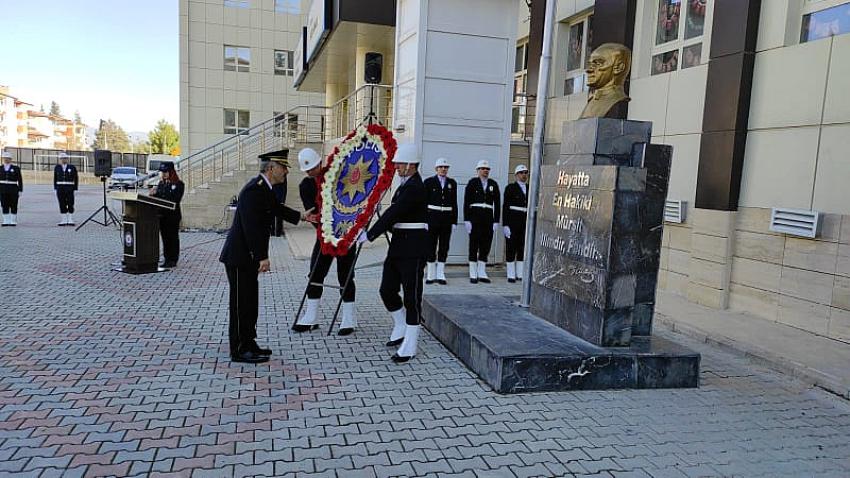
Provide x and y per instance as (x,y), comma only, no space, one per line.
(674,211)
(796,222)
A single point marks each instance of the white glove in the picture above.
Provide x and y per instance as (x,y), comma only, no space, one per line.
(495,226)
(507,231)
(362,237)
(468,227)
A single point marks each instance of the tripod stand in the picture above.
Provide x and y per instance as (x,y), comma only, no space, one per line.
(108,216)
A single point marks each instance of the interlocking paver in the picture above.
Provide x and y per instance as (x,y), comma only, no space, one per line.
(112,383)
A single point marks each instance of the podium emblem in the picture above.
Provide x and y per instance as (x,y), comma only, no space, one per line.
(128,239)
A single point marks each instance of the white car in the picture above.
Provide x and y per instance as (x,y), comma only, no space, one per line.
(125,177)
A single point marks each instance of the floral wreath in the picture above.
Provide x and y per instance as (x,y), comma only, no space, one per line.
(327,180)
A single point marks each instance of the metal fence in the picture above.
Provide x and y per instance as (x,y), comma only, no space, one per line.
(37,159)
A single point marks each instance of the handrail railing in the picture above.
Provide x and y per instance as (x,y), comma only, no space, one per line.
(349,111)
(522,116)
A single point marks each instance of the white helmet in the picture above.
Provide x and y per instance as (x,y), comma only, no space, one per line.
(63,155)
(483,164)
(520,169)
(308,159)
(406,153)
(442,162)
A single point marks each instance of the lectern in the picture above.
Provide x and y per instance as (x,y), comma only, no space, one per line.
(140,231)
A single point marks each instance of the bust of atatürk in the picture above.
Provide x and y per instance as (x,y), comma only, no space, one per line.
(607,71)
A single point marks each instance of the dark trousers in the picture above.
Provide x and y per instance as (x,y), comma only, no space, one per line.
(66,200)
(9,202)
(480,240)
(169,230)
(320,264)
(440,237)
(515,246)
(244,305)
(277,226)
(406,274)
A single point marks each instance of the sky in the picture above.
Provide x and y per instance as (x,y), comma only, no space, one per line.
(109,59)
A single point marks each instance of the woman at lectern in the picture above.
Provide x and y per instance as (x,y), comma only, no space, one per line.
(170,188)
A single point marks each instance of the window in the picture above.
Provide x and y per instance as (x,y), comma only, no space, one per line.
(579,39)
(824,22)
(518,110)
(679,28)
(237,3)
(236,121)
(287,6)
(283,64)
(237,58)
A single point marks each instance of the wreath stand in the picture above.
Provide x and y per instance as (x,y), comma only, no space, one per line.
(369,119)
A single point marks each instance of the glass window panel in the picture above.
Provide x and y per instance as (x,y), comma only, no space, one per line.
(665,62)
(244,119)
(695,21)
(575,47)
(287,6)
(520,57)
(283,62)
(826,23)
(229,58)
(588,48)
(515,119)
(691,55)
(237,3)
(519,85)
(230,118)
(244,59)
(667,27)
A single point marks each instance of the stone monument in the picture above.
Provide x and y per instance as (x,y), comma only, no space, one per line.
(597,248)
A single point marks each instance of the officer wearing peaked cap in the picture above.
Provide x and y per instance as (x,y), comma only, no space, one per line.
(11,186)
(310,163)
(404,266)
(246,253)
(481,217)
(514,211)
(65,182)
(442,218)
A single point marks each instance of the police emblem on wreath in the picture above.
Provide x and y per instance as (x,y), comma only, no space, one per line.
(357,174)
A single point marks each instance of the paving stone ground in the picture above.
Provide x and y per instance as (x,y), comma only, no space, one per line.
(108,374)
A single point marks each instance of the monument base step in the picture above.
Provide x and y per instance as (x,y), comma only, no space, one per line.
(517,352)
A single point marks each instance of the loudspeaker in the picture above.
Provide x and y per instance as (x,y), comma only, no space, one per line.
(102,163)
(374,65)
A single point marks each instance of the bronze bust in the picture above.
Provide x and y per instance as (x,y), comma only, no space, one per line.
(607,71)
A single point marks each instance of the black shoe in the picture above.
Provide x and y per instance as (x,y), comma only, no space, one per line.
(473,281)
(511,280)
(486,281)
(393,343)
(4,225)
(441,282)
(304,328)
(428,281)
(168,265)
(346,331)
(399,359)
(260,351)
(249,356)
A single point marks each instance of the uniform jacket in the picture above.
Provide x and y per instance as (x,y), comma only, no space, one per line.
(69,175)
(443,197)
(14,181)
(474,194)
(514,197)
(170,192)
(408,206)
(248,239)
(308,189)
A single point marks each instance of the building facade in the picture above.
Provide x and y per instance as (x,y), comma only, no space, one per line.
(23,127)
(236,66)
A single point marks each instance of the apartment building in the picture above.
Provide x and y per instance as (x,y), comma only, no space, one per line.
(236,66)
(23,127)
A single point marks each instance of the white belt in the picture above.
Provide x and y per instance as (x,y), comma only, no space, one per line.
(481,204)
(410,225)
(9,182)
(517,208)
(64,183)
(440,208)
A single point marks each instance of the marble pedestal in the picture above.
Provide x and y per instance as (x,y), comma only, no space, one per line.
(514,352)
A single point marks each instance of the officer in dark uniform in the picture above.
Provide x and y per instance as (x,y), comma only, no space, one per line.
(280,194)
(481,217)
(404,266)
(514,211)
(311,163)
(11,186)
(65,182)
(246,253)
(442,218)
(170,188)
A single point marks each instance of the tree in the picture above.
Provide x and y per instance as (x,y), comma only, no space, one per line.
(141,146)
(54,109)
(164,138)
(112,137)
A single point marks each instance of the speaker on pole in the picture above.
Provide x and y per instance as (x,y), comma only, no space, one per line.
(374,65)
(102,163)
